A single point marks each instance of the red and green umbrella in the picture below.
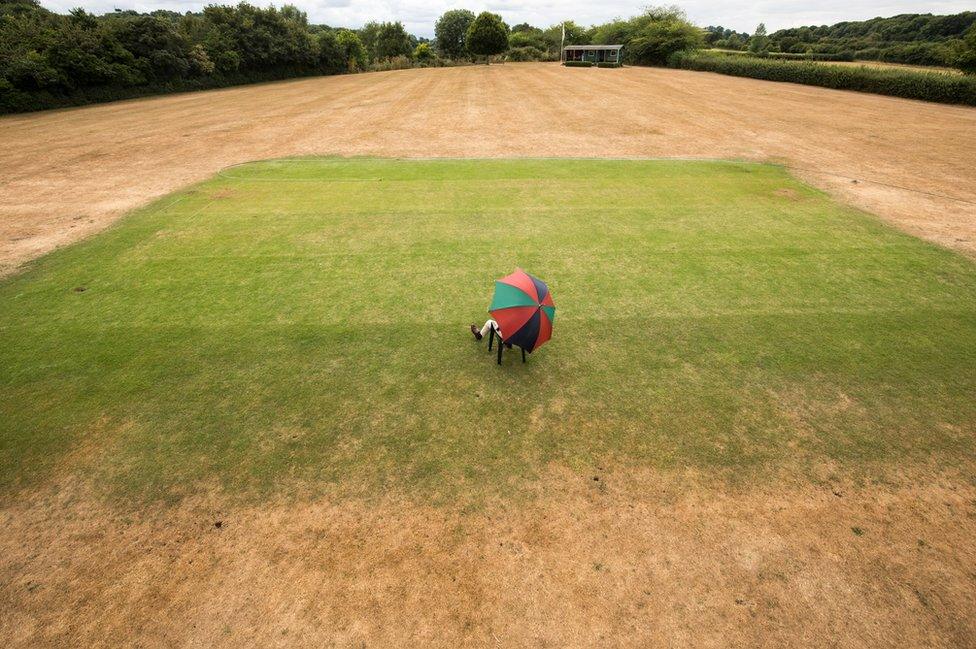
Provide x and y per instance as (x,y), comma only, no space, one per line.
(523,309)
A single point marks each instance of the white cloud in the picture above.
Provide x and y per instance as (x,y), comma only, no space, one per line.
(419,15)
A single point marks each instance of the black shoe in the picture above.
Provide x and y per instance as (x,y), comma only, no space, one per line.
(476,332)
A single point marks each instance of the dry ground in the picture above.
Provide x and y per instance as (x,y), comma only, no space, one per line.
(67,173)
(623,560)
(620,561)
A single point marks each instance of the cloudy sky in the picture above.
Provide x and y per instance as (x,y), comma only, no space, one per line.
(419,15)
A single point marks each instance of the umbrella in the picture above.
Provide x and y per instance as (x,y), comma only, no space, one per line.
(524,310)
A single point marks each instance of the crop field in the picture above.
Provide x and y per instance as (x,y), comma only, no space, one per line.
(251,412)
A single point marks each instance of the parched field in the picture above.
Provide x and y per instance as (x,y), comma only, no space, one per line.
(250,414)
(65,174)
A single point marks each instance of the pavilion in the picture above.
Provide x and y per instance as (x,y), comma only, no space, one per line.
(592,53)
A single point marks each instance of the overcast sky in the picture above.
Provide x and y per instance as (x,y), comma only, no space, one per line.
(419,15)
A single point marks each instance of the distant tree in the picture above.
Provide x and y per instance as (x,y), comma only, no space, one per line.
(49,59)
(261,39)
(487,36)
(575,35)
(392,40)
(967,59)
(353,50)
(733,42)
(294,14)
(920,39)
(451,31)
(652,37)
(760,41)
(368,35)
(331,57)
(615,32)
(20,7)
(527,38)
(160,50)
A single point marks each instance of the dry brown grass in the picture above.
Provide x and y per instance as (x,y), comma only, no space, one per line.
(626,560)
(67,173)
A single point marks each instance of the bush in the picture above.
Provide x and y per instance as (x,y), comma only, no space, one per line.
(13,100)
(812,56)
(405,63)
(911,84)
(517,54)
(578,64)
(400,62)
(422,53)
(607,64)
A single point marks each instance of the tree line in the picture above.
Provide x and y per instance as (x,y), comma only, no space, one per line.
(918,39)
(648,38)
(49,59)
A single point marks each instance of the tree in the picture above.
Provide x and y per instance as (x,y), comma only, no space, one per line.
(160,50)
(352,49)
(332,58)
(967,60)
(391,40)
(451,31)
(487,36)
(652,37)
(368,35)
(527,39)
(260,39)
(575,35)
(759,42)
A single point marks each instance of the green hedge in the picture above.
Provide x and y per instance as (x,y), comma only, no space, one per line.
(941,87)
(18,101)
(607,64)
(812,56)
(578,64)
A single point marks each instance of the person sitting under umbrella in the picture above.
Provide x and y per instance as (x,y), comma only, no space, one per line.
(523,306)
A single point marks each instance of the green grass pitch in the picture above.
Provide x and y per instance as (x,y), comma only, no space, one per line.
(301,324)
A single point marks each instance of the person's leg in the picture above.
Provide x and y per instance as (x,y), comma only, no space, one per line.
(480,333)
(489,323)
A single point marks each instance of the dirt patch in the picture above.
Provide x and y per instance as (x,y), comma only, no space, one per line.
(67,173)
(604,557)
(788,193)
(220,194)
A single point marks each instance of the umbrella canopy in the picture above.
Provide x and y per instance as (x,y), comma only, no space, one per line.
(523,309)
